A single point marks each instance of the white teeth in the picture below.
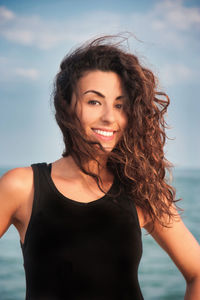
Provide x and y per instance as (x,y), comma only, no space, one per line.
(104,133)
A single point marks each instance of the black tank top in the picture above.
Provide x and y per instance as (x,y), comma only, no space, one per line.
(81,251)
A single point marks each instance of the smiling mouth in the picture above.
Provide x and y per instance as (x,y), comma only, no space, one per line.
(104,133)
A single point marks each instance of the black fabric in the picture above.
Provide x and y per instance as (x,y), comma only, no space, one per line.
(81,251)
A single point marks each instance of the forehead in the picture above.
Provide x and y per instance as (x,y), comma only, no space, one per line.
(104,82)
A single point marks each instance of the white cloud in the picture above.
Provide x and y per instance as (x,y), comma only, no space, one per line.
(176,73)
(5,14)
(176,15)
(21,36)
(10,70)
(169,24)
(27,73)
(34,31)
(169,21)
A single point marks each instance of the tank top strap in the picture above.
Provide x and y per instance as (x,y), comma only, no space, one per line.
(40,183)
(49,166)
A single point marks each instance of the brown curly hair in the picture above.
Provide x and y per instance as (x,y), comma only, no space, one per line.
(138,158)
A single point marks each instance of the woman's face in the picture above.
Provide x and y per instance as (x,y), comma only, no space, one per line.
(100,107)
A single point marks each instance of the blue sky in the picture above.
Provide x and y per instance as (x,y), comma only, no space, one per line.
(36,35)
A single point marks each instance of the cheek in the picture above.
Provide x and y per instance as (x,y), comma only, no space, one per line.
(86,117)
(81,113)
(123,121)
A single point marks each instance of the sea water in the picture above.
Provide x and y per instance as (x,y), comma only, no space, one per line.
(158,276)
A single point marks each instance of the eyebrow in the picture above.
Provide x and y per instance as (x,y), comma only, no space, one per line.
(100,94)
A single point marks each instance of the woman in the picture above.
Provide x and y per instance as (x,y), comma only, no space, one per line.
(80,217)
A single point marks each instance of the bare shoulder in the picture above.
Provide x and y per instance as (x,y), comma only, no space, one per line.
(16,180)
(16,188)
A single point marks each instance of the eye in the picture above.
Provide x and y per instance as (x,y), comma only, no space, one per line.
(94,102)
(119,106)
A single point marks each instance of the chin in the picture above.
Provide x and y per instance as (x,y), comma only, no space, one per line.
(108,148)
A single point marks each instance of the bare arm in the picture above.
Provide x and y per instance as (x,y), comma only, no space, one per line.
(184,250)
(15,187)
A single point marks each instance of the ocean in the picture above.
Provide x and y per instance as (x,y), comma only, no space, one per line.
(158,276)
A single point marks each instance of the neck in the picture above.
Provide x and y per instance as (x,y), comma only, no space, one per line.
(97,167)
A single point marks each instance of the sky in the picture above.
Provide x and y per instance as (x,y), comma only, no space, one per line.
(36,35)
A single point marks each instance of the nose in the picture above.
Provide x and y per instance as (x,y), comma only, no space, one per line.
(108,115)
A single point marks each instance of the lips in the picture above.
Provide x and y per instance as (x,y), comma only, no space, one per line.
(104,134)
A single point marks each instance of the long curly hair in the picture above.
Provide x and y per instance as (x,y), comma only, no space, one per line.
(138,159)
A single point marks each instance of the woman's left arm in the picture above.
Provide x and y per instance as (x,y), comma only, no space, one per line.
(184,250)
